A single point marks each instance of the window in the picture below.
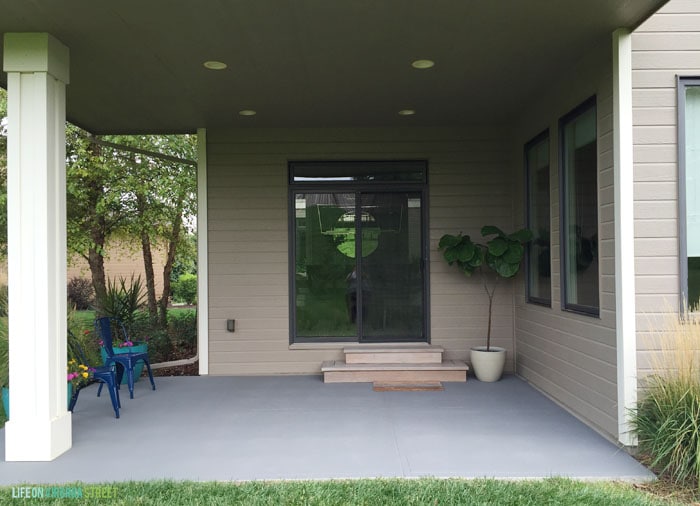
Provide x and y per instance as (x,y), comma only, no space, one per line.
(357,261)
(579,209)
(539,273)
(689,199)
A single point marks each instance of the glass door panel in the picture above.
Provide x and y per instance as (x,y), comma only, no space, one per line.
(391,267)
(326,292)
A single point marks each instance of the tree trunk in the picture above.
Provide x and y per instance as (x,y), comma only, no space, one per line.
(150,275)
(148,263)
(97,270)
(168,269)
(97,230)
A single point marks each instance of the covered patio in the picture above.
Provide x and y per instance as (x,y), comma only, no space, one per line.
(462,88)
(297,427)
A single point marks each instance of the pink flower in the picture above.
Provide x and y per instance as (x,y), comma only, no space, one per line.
(101,342)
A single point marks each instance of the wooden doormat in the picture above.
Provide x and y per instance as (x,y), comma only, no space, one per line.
(430,386)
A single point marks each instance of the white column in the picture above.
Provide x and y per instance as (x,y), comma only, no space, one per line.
(202,255)
(37,73)
(625,308)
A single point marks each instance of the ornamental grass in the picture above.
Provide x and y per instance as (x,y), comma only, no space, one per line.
(667,418)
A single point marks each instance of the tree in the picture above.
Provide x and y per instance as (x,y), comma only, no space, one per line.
(159,183)
(94,203)
(138,186)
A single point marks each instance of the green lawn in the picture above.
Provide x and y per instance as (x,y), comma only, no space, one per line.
(359,492)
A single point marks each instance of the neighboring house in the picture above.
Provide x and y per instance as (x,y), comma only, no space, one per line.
(548,115)
(122,261)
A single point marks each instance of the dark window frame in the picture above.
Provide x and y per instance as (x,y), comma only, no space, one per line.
(577,111)
(541,301)
(357,187)
(682,83)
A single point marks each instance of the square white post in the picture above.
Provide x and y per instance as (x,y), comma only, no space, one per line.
(625,307)
(37,73)
(202,254)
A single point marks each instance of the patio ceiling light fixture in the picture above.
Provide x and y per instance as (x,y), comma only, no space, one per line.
(214,65)
(407,112)
(247,112)
(422,64)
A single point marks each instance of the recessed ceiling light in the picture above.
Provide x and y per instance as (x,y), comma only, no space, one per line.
(407,112)
(422,64)
(214,65)
(247,112)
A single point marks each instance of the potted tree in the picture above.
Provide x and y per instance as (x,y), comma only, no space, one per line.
(502,255)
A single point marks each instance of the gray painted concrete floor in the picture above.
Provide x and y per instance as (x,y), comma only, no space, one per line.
(297,427)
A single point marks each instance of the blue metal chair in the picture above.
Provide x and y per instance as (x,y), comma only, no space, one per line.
(103,327)
(105,375)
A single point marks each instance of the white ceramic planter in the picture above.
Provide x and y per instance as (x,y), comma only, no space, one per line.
(488,365)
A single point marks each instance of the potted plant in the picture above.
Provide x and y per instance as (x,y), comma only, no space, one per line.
(123,300)
(502,255)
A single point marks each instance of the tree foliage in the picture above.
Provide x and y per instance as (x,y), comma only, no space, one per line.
(139,187)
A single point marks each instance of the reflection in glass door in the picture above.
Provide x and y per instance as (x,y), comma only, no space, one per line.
(324,264)
(359,266)
(392,274)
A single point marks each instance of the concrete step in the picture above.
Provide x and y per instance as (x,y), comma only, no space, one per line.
(338,371)
(394,354)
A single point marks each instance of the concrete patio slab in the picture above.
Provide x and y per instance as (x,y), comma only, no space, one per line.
(297,427)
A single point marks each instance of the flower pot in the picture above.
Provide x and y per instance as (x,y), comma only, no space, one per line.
(6,399)
(488,365)
(136,348)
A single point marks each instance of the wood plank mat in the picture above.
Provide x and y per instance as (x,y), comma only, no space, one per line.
(431,386)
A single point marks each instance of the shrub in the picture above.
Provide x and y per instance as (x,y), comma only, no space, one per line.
(145,328)
(667,418)
(185,290)
(122,300)
(183,327)
(84,337)
(80,293)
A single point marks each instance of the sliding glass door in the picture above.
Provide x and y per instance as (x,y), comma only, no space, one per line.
(358,262)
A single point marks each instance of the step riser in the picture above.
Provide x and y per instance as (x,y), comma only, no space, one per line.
(393,376)
(394,358)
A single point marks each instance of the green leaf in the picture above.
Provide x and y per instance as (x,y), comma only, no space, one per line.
(508,270)
(514,254)
(467,269)
(451,255)
(522,235)
(449,241)
(497,246)
(465,251)
(477,259)
(501,267)
(490,230)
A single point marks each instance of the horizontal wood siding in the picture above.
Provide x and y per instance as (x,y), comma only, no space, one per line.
(667,45)
(470,185)
(572,357)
